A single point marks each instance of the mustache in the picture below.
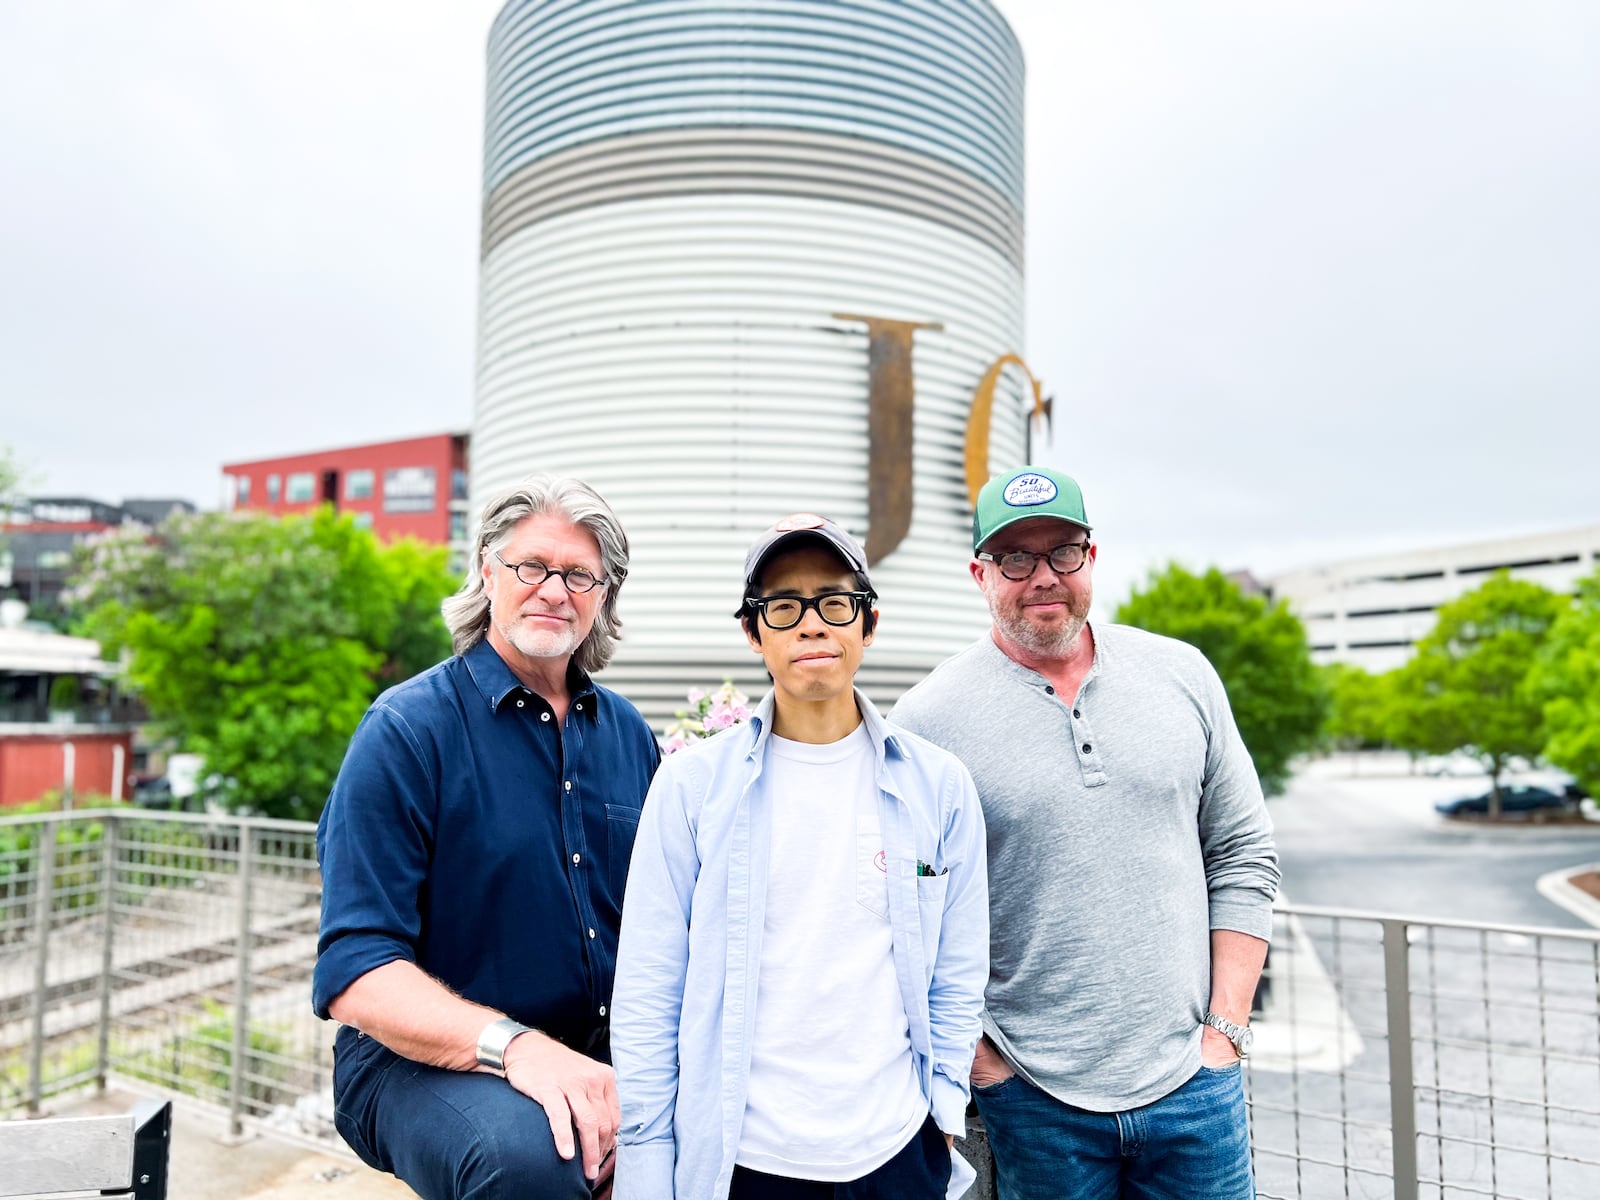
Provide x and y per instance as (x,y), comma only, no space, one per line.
(547,610)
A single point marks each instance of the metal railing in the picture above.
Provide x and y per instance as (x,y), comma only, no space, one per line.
(171,948)
(1426,1059)
(1419,1059)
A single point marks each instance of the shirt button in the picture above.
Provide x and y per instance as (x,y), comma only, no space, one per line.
(568,785)
(577,858)
(519,703)
(580,705)
(591,933)
(544,716)
(1087,747)
(602,1010)
(1076,713)
(1050,690)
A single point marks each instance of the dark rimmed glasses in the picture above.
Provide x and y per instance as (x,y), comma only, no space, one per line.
(1018,565)
(533,573)
(785,612)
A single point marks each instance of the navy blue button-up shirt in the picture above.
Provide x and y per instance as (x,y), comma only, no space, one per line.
(471,833)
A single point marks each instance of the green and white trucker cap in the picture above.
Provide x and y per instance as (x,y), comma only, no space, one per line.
(1022,494)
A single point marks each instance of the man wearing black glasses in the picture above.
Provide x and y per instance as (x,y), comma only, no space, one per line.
(474,853)
(804,944)
(1131,873)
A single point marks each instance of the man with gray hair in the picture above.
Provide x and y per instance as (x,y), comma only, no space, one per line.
(474,851)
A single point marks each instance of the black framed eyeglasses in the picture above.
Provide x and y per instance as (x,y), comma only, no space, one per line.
(1018,565)
(785,612)
(533,573)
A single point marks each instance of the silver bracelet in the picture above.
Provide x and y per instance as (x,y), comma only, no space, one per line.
(495,1039)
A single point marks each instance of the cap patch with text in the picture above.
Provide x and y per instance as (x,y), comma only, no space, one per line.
(1025,494)
(1029,489)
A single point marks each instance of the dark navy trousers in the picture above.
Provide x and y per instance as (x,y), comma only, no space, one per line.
(449,1135)
(919,1171)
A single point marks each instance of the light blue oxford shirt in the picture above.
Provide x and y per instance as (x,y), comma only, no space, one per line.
(689,958)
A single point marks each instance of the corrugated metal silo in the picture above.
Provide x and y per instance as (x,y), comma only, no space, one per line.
(683,204)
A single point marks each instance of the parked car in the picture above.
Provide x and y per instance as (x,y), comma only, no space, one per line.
(1524,799)
(153,792)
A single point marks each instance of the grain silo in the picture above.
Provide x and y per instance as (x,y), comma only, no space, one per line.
(711,233)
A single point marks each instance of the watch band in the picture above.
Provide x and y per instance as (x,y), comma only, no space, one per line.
(493,1041)
(1240,1035)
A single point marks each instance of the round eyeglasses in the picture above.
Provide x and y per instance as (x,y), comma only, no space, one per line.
(533,573)
(785,612)
(1018,565)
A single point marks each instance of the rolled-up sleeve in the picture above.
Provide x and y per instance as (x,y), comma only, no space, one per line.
(373,846)
(1241,857)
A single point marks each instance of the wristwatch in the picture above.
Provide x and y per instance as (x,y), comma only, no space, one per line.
(1242,1036)
(494,1040)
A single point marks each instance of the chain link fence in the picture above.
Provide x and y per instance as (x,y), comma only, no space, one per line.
(1395,1057)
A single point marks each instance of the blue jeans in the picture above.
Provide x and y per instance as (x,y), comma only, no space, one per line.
(450,1135)
(1193,1142)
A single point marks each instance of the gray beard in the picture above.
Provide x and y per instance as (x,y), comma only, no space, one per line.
(1047,643)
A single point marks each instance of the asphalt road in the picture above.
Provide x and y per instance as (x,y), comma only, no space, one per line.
(1371,840)
(1505,1024)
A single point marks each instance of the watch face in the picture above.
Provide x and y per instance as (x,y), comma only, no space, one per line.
(1247,1039)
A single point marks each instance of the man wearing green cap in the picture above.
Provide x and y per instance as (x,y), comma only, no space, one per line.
(1131,873)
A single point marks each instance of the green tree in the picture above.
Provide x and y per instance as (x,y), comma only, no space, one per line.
(419,578)
(1259,649)
(1566,682)
(1468,687)
(12,478)
(258,643)
(1359,709)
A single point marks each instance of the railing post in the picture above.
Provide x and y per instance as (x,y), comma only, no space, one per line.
(44,882)
(1402,1089)
(109,849)
(241,993)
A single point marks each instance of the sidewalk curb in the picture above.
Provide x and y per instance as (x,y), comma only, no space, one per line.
(1555,887)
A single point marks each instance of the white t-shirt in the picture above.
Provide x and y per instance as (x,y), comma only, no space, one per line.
(833,1091)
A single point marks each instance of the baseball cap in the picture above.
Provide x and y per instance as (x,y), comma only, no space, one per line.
(798,527)
(1024,493)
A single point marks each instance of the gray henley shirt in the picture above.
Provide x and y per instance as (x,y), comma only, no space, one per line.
(1123,827)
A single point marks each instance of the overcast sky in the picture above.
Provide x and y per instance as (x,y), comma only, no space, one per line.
(1305,278)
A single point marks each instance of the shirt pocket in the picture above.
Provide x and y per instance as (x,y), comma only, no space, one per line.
(872,867)
(622,827)
(931,889)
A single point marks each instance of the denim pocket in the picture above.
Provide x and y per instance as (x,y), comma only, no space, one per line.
(622,827)
(987,1090)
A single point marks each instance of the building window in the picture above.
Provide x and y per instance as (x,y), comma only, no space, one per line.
(358,485)
(274,487)
(302,488)
(244,491)
(458,527)
(361,520)
(458,484)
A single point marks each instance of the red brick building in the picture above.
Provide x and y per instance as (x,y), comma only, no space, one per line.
(416,487)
